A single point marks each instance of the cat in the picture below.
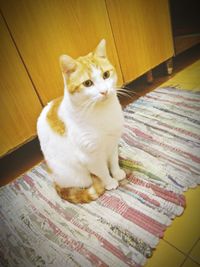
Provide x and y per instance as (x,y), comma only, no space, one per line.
(79,133)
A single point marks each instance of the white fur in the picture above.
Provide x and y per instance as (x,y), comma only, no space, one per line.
(94,125)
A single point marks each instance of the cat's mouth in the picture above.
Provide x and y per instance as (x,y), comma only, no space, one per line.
(103,96)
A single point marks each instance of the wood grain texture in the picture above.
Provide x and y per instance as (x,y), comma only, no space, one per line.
(19,104)
(43,30)
(142,31)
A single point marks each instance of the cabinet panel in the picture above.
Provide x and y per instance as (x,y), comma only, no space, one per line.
(19,104)
(43,30)
(142,31)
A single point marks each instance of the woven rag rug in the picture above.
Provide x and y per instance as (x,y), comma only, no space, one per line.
(159,150)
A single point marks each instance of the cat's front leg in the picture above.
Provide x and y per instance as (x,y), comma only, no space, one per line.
(116,171)
(101,170)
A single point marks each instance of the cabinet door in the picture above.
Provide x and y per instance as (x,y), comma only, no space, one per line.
(43,30)
(142,31)
(19,104)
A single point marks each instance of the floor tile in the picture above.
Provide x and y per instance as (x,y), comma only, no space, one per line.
(195,253)
(165,256)
(197,87)
(187,85)
(185,230)
(189,263)
(186,79)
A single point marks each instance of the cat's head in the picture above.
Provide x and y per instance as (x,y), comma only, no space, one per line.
(91,77)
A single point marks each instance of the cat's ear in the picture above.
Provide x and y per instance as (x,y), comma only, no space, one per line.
(100,50)
(67,64)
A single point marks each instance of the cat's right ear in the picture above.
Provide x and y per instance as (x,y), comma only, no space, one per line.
(100,50)
(67,64)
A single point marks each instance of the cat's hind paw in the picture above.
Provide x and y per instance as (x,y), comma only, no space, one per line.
(111,184)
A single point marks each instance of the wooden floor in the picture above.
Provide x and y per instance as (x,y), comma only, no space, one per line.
(24,158)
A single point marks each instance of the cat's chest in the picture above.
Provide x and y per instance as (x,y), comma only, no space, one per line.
(92,141)
(106,124)
(98,135)
(108,120)
(99,129)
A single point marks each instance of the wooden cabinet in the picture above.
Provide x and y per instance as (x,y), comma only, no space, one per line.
(43,30)
(35,33)
(19,104)
(142,34)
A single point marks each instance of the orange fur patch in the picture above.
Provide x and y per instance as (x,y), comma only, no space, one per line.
(84,69)
(54,121)
(81,195)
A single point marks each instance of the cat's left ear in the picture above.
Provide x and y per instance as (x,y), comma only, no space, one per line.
(67,64)
(100,50)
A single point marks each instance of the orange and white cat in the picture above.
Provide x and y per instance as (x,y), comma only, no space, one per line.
(79,133)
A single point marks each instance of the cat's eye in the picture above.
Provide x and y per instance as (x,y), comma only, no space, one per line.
(88,83)
(106,74)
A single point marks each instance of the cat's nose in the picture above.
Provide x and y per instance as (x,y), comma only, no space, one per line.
(104,93)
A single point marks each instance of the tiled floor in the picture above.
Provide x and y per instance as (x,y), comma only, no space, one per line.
(188,78)
(181,243)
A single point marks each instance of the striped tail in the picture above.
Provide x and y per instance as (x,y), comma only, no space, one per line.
(81,195)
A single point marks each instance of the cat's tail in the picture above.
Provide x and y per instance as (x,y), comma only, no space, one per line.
(82,195)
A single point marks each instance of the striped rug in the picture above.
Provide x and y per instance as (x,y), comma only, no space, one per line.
(159,150)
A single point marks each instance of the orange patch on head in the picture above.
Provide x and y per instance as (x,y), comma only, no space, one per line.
(77,71)
(56,124)
(84,69)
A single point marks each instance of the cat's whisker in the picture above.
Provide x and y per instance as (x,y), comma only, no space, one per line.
(127,90)
(127,93)
(130,93)
(123,94)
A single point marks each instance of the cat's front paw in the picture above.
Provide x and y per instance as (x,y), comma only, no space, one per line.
(119,175)
(111,184)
